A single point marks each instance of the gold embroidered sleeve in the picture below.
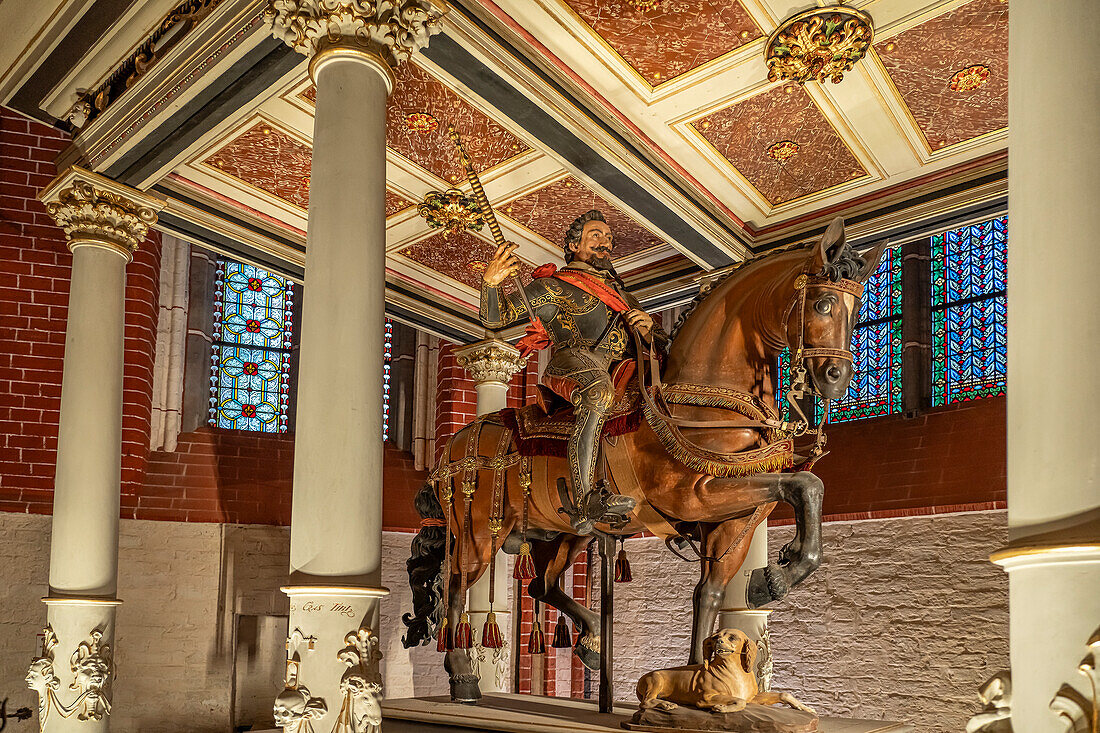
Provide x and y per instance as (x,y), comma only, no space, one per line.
(498,309)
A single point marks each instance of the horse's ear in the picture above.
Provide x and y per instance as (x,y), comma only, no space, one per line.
(829,248)
(871,260)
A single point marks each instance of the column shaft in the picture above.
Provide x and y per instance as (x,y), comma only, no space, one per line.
(1054,305)
(337,506)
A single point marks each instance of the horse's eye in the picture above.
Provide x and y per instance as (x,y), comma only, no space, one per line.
(823,306)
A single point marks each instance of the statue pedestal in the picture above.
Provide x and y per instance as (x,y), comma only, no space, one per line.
(753,719)
(534,714)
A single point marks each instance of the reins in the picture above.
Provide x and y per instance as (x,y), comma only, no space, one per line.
(728,399)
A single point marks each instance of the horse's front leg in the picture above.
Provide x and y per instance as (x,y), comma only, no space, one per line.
(715,574)
(802,555)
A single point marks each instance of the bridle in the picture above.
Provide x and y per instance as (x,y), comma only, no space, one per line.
(660,396)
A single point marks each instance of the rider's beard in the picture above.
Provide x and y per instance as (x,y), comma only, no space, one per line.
(601,262)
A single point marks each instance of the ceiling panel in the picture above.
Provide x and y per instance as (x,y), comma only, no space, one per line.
(781,143)
(461,256)
(670,39)
(952,72)
(268,158)
(548,211)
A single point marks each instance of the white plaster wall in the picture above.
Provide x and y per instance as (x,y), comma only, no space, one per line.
(181,584)
(903,621)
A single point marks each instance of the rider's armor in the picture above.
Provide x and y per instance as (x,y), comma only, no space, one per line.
(588,340)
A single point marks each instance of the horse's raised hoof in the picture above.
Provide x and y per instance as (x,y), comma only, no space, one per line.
(465,689)
(589,657)
(767,585)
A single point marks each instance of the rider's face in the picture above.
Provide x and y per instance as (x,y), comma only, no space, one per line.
(595,245)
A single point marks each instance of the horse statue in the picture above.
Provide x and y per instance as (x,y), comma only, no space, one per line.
(706,477)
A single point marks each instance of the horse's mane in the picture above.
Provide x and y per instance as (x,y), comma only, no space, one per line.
(845,265)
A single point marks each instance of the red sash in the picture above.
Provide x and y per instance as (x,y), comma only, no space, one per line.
(537,338)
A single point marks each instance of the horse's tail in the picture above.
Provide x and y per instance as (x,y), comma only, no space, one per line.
(425,566)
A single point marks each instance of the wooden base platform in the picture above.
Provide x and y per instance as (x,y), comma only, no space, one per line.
(533,714)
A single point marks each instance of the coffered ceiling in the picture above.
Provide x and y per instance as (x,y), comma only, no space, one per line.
(661,117)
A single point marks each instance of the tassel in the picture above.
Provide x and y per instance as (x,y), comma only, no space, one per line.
(446,641)
(622,566)
(490,636)
(463,634)
(562,638)
(525,564)
(536,644)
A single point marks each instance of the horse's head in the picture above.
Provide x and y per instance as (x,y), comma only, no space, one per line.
(824,308)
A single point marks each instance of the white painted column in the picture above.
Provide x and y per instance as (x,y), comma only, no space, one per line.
(491,363)
(735,613)
(333,681)
(74,669)
(1053,557)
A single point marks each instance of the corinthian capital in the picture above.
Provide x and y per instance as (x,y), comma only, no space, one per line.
(92,209)
(394,29)
(490,360)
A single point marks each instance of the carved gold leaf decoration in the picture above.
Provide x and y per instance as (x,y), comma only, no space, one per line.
(818,44)
(85,212)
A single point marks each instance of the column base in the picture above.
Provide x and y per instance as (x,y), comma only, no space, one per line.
(332,675)
(73,670)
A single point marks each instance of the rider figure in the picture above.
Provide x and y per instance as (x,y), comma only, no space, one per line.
(579,306)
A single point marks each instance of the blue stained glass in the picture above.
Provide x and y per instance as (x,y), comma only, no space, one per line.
(875,388)
(250,366)
(969,312)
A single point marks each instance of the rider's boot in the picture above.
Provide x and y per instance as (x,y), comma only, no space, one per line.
(590,504)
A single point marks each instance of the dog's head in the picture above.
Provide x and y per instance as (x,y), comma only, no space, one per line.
(731,641)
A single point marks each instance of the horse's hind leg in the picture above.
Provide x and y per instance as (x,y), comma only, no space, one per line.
(802,555)
(464,683)
(551,559)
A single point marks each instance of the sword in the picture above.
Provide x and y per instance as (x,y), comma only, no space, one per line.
(487,212)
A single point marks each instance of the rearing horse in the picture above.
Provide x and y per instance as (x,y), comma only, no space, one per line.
(721,364)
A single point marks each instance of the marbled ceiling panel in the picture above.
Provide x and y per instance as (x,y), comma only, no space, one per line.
(671,39)
(270,159)
(461,256)
(419,111)
(781,143)
(548,211)
(952,72)
(267,158)
(395,202)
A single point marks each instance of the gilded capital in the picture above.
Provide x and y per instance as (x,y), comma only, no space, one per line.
(393,29)
(93,209)
(490,361)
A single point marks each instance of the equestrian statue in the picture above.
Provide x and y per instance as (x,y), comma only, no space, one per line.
(635,430)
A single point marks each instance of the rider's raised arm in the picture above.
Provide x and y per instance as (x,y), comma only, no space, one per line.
(498,309)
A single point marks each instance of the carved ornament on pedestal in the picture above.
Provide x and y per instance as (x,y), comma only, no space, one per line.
(94,210)
(92,669)
(391,29)
(491,361)
(42,679)
(1081,711)
(361,684)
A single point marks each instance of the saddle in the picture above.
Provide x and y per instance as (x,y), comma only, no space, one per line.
(542,428)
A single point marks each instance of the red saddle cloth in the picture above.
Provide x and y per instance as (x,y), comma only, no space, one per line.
(542,428)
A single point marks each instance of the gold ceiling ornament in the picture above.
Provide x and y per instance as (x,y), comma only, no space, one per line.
(452,211)
(818,44)
(783,150)
(478,265)
(644,5)
(421,122)
(968,79)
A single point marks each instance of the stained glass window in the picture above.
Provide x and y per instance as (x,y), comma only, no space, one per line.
(969,309)
(387,358)
(875,388)
(250,366)
(783,383)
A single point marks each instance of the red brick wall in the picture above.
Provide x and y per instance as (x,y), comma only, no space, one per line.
(456,399)
(949,459)
(35,267)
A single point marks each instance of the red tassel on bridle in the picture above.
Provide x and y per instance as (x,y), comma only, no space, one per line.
(622,565)
(491,638)
(464,637)
(525,564)
(446,641)
(536,644)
